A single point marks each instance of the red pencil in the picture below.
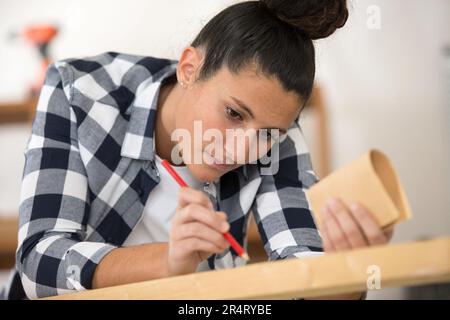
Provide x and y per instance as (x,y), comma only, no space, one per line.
(234,244)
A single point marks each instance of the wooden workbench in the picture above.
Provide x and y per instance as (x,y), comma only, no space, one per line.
(413,263)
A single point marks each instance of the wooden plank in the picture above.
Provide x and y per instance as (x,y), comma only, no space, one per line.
(8,241)
(411,263)
(8,234)
(18,111)
(317,105)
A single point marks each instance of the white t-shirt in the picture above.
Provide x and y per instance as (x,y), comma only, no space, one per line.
(160,207)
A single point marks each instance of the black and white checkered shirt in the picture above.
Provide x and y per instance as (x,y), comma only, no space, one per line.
(90,167)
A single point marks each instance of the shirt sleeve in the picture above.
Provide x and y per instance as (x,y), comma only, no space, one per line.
(52,257)
(281,209)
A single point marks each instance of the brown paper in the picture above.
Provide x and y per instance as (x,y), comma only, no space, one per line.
(369,180)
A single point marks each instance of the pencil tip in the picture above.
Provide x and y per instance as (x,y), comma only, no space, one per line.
(245,256)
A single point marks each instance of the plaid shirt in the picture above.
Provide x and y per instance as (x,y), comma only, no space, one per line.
(90,167)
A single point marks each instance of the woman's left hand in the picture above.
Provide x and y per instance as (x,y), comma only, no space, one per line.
(345,228)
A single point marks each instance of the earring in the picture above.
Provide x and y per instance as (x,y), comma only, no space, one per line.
(182,84)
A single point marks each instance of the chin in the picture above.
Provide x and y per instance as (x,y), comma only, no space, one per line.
(204,173)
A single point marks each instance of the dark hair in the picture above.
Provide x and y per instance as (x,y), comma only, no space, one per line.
(274,35)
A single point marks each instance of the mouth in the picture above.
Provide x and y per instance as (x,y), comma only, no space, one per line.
(213,162)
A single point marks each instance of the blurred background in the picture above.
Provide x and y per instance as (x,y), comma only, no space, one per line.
(383,82)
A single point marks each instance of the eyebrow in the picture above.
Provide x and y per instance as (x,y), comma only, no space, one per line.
(247,109)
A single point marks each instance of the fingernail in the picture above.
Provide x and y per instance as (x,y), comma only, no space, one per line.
(333,203)
(355,207)
(225,226)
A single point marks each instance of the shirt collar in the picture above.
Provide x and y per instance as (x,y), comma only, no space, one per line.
(243,170)
(139,137)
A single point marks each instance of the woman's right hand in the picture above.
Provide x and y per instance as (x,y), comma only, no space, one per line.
(196,232)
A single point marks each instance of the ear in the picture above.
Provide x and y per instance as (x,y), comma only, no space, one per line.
(189,65)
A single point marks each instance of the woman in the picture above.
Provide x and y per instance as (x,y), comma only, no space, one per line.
(97,209)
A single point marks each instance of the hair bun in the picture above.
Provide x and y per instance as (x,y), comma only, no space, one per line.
(316,18)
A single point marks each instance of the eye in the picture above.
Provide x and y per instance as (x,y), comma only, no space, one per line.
(233,114)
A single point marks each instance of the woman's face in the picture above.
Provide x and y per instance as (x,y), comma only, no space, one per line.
(219,112)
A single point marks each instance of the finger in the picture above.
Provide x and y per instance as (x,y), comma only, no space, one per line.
(389,233)
(187,195)
(195,212)
(192,245)
(335,233)
(368,224)
(201,231)
(327,245)
(348,224)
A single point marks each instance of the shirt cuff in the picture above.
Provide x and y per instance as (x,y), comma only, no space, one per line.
(81,260)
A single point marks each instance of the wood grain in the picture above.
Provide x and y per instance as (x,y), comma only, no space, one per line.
(411,263)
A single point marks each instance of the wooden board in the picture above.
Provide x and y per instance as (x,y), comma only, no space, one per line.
(411,263)
(8,241)
(18,111)
(8,234)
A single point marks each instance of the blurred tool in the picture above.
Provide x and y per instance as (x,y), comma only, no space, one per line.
(40,37)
